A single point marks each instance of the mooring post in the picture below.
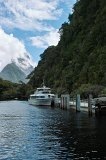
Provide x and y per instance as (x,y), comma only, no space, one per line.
(65,101)
(90,105)
(61,102)
(78,103)
(68,101)
(56,100)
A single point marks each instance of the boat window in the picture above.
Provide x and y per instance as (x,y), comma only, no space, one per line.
(41,96)
(45,92)
(33,97)
(40,89)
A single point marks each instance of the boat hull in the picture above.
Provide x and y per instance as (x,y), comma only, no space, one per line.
(40,102)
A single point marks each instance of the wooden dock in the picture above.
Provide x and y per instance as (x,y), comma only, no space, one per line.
(65,102)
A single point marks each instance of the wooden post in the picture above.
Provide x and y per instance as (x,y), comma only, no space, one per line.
(78,103)
(56,100)
(89,105)
(65,101)
(61,105)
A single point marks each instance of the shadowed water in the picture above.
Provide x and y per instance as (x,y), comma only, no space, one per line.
(37,133)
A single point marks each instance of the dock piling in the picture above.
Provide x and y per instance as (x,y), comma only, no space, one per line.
(90,105)
(78,103)
(65,101)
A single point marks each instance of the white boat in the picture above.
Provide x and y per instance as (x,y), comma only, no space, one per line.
(42,97)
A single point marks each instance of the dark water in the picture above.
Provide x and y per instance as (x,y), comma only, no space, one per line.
(37,133)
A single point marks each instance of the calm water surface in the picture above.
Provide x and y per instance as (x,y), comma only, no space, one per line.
(37,133)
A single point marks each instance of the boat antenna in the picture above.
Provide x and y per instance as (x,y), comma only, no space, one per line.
(43,83)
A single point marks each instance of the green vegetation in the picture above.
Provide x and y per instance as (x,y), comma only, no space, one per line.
(78,62)
(9,90)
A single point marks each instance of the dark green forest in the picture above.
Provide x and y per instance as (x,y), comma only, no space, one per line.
(9,90)
(78,63)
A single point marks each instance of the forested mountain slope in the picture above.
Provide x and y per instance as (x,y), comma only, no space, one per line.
(79,59)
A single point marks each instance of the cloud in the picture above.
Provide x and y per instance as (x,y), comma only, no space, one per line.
(12,48)
(29,14)
(48,39)
(33,16)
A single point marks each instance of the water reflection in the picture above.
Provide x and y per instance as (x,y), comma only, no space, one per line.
(37,133)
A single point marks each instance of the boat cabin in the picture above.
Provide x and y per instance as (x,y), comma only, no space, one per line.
(43,90)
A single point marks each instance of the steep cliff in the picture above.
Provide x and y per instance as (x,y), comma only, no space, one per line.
(80,57)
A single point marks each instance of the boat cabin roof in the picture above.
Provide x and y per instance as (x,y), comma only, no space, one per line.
(43,88)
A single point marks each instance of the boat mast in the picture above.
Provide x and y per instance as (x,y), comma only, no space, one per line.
(43,83)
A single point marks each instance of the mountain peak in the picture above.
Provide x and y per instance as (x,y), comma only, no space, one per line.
(13,73)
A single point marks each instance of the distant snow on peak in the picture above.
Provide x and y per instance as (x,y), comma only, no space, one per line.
(13,50)
(25,64)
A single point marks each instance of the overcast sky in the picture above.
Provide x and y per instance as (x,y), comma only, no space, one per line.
(30,26)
